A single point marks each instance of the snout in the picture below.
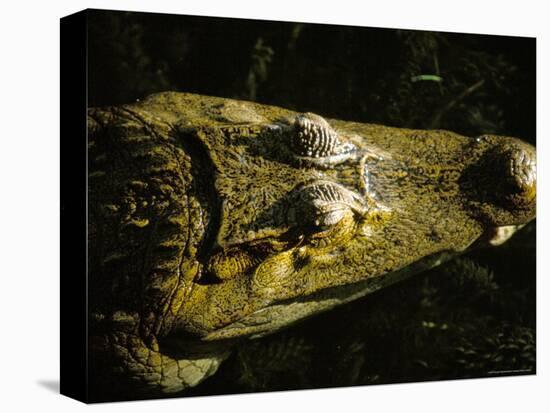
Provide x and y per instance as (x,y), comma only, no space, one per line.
(503,181)
(519,175)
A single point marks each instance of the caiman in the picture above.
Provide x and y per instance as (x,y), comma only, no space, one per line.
(212,220)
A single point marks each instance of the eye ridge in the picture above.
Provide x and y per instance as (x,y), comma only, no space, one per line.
(314,136)
(323,196)
(314,140)
(325,208)
(334,234)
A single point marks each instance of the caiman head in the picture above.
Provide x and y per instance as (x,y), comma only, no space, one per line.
(275,216)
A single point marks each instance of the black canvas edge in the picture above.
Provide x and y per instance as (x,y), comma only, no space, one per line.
(73,194)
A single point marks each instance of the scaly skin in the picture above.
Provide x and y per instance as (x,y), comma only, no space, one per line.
(213,219)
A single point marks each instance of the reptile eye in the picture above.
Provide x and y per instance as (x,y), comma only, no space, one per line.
(323,204)
(329,218)
(314,140)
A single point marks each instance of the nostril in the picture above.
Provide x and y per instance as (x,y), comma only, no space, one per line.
(520,175)
(523,169)
(501,181)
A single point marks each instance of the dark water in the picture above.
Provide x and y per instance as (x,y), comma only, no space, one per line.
(474,317)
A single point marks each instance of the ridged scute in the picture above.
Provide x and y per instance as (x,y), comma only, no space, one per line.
(324,203)
(314,137)
(143,202)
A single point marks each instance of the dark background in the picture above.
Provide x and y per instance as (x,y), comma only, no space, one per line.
(474,317)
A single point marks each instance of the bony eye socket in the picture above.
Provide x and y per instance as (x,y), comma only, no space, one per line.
(313,136)
(326,209)
(330,218)
(336,233)
(313,140)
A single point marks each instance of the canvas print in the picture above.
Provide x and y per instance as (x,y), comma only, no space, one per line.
(285,206)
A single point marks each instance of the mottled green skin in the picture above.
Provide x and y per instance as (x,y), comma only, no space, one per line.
(200,233)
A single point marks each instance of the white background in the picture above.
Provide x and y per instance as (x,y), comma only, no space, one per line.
(29,205)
